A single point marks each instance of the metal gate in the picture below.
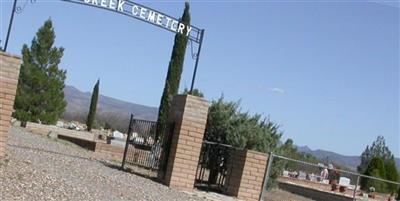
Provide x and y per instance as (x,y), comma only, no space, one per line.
(215,166)
(143,147)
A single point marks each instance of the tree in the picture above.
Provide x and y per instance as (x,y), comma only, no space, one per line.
(107,126)
(40,95)
(377,149)
(195,92)
(93,106)
(220,119)
(376,168)
(392,175)
(228,125)
(289,150)
(175,69)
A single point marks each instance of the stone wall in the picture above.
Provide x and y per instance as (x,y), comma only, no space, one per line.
(189,113)
(82,138)
(9,73)
(46,129)
(247,175)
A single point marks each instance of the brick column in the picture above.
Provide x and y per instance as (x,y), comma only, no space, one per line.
(189,113)
(9,73)
(247,175)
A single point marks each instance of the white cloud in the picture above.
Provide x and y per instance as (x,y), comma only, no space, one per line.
(278,90)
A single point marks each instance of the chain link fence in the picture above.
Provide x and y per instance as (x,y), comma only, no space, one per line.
(325,182)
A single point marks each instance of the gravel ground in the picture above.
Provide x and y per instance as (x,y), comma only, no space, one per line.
(280,195)
(39,168)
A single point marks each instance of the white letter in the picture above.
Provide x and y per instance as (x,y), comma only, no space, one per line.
(112,4)
(135,9)
(87,1)
(173,25)
(103,3)
(188,29)
(181,27)
(151,16)
(121,5)
(168,21)
(142,12)
(159,19)
(95,2)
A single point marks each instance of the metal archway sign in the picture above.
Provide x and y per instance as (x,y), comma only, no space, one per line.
(143,13)
(151,16)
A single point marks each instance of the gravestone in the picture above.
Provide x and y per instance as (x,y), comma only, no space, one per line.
(302,175)
(344,181)
(286,173)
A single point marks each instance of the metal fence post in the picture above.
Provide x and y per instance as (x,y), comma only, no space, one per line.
(266,177)
(127,141)
(197,61)
(355,188)
(10,25)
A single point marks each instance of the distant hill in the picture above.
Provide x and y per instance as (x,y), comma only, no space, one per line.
(350,162)
(109,109)
(117,113)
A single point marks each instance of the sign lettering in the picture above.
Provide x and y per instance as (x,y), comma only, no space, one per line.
(146,14)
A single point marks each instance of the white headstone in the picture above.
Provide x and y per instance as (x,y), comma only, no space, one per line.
(117,134)
(286,173)
(60,124)
(344,181)
(302,175)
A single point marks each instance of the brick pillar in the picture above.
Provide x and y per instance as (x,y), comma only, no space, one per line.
(9,73)
(189,113)
(247,175)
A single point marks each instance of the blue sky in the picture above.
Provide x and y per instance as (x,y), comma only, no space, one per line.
(328,72)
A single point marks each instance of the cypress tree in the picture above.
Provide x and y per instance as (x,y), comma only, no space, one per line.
(40,92)
(175,69)
(93,106)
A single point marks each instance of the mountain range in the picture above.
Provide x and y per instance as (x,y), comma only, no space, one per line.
(350,162)
(113,111)
(117,113)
